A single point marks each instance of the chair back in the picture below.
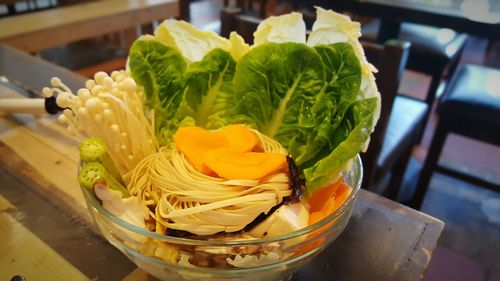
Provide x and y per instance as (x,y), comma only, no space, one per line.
(390,60)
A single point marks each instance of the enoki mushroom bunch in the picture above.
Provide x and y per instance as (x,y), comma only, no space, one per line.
(110,108)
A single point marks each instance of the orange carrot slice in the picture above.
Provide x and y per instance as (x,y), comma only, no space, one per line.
(315,217)
(326,201)
(322,195)
(230,164)
(341,196)
(329,206)
(240,138)
(194,142)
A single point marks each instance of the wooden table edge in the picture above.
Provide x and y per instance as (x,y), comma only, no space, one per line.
(37,40)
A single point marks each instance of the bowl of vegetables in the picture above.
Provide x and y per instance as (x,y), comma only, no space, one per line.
(211,159)
(239,256)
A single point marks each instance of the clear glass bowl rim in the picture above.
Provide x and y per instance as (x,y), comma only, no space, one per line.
(94,203)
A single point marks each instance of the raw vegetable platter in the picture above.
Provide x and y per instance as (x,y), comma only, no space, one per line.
(207,138)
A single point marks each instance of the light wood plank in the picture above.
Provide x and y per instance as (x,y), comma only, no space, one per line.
(54,158)
(139,275)
(22,253)
(41,30)
(49,150)
(5,204)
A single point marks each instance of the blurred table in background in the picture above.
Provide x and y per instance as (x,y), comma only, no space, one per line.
(41,30)
(18,7)
(46,230)
(475,17)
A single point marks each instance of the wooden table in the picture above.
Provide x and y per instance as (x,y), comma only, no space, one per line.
(41,30)
(445,14)
(45,228)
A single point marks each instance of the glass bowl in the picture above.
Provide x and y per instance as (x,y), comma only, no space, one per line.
(275,258)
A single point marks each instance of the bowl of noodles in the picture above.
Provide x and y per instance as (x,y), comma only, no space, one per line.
(207,158)
(225,258)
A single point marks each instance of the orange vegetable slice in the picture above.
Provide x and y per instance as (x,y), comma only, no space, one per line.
(329,206)
(240,138)
(231,164)
(341,196)
(326,201)
(315,217)
(194,142)
(323,195)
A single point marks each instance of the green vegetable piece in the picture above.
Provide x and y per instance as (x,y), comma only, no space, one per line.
(307,99)
(209,89)
(159,70)
(355,129)
(343,72)
(93,172)
(276,86)
(343,78)
(94,150)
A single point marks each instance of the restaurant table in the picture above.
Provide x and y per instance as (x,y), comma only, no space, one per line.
(41,30)
(476,17)
(46,232)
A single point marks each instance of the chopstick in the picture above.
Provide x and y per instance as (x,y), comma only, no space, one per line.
(26,105)
(33,104)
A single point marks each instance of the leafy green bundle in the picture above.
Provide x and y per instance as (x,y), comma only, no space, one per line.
(318,99)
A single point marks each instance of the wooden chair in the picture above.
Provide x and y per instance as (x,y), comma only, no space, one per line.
(434,52)
(247,6)
(393,139)
(470,107)
(401,118)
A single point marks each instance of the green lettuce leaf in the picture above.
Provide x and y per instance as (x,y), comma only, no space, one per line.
(343,79)
(306,98)
(276,85)
(348,140)
(331,27)
(159,70)
(209,89)
(343,72)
